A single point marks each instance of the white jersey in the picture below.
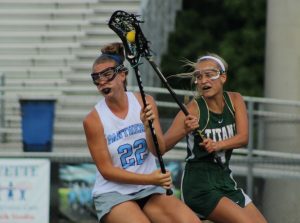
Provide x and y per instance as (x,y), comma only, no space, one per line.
(126,142)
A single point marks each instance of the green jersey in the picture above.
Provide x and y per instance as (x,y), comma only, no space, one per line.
(215,126)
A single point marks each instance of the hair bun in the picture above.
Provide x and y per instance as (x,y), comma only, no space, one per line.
(116,48)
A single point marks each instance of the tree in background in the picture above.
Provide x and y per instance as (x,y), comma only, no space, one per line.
(233,29)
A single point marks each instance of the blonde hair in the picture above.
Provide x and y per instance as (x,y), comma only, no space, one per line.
(192,65)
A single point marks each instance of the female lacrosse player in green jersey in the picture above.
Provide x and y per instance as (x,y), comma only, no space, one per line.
(221,118)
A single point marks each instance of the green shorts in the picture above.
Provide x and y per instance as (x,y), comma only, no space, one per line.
(205,183)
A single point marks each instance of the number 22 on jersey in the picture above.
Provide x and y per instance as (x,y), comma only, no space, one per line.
(134,154)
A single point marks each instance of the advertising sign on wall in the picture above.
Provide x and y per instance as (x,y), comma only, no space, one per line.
(76,184)
(24,190)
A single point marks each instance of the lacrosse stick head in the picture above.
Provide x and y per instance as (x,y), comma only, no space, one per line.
(127,27)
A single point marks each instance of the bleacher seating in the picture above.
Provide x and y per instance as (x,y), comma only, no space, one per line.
(47,48)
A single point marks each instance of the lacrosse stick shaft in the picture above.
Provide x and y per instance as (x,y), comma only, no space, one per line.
(182,107)
(163,79)
(154,138)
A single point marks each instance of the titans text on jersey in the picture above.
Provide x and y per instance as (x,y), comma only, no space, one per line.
(218,134)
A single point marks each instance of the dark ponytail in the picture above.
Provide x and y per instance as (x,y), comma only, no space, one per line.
(112,52)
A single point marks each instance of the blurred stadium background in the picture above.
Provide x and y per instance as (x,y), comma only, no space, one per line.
(47,48)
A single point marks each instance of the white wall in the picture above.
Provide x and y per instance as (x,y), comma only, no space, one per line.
(282,79)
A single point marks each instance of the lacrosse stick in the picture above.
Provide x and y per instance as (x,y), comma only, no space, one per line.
(127,27)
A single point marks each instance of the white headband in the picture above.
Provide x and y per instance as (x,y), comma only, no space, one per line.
(215,59)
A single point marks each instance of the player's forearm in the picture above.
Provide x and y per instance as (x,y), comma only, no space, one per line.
(237,141)
(171,139)
(122,176)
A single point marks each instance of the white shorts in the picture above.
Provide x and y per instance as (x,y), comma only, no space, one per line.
(105,202)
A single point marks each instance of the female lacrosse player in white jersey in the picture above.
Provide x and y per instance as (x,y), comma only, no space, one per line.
(128,187)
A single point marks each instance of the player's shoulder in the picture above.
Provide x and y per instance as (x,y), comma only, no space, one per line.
(90,117)
(139,95)
(149,98)
(236,99)
(234,95)
(192,107)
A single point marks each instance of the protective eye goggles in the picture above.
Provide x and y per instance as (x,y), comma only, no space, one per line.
(107,74)
(212,74)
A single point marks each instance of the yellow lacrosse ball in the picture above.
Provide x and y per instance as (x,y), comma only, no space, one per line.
(130,36)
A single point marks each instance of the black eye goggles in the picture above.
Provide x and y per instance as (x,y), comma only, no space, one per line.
(108,74)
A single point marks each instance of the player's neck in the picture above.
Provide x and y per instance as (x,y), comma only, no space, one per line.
(216,104)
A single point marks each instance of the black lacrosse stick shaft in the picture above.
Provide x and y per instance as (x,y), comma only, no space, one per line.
(163,79)
(196,133)
(154,137)
(122,23)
